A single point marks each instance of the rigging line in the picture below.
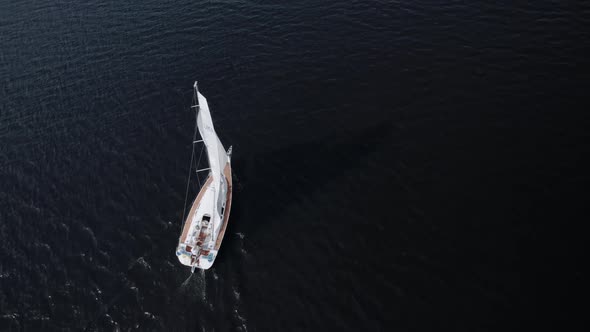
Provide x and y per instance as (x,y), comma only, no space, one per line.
(191,164)
(199,161)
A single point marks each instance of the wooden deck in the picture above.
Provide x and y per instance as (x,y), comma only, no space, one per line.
(227,174)
(187,223)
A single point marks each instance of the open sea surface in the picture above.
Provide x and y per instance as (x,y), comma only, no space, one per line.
(398,165)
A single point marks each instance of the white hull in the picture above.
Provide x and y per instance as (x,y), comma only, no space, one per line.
(201,254)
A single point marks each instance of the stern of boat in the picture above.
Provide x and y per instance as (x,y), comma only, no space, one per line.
(201,261)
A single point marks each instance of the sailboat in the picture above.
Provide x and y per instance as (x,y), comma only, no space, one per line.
(207,219)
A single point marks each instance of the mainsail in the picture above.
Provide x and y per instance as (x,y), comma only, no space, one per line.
(216,155)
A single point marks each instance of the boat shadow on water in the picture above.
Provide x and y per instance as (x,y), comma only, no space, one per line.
(267,184)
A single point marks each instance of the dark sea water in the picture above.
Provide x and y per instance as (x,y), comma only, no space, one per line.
(399,165)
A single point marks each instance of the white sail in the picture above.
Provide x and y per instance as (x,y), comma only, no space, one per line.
(216,154)
(217,158)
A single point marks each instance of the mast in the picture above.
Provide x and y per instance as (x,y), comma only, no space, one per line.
(195,141)
(195,94)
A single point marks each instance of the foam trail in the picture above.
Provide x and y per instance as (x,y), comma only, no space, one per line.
(185,282)
(203,286)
